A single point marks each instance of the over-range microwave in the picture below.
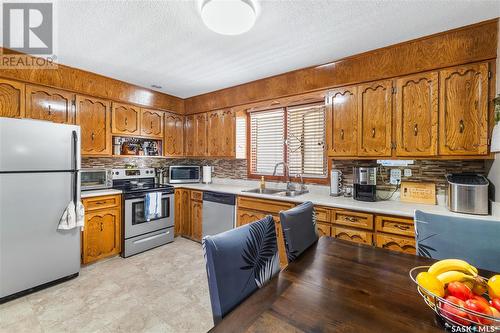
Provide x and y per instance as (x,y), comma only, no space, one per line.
(96,178)
(178,174)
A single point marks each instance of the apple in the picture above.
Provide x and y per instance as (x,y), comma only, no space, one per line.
(480,299)
(479,307)
(455,314)
(495,312)
(459,290)
(495,302)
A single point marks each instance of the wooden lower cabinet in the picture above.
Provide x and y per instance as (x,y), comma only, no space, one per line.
(101,237)
(324,229)
(196,209)
(395,225)
(353,235)
(188,213)
(246,216)
(396,243)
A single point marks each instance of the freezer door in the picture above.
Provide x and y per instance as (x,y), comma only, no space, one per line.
(34,145)
(32,250)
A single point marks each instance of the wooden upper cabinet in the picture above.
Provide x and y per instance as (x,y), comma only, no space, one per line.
(342,118)
(374,118)
(174,134)
(228,143)
(93,116)
(125,119)
(189,135)
(417,115)
(200,134)
(215,133)
(152,123)
(463,110)
(12,99)
(50,104)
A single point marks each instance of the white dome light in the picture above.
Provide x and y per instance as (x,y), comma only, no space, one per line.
(228,17)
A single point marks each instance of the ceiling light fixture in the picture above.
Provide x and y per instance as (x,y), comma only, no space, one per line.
(228,17)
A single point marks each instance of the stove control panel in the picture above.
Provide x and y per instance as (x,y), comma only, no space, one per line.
(133,173)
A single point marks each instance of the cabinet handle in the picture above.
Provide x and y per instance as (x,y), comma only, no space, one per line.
(100,202)
(92,136)
(351,219)
(126,121)
(415,129)
(50,111)
(342,134)
(151,125)
(461,126)
(101,226)
(373,132)
(402,227)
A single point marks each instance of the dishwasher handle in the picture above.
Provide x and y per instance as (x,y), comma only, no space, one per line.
(222,198)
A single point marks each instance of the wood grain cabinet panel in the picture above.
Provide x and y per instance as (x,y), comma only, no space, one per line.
(246,216)
(352,219)
(200,134)
(215,130)
(396,243)
(174,135)
(417,115)
(463,113)
(342,119)
(152,123)
(189,135)
(196,211)
(126,119)
(93,116)
(395,225)
(322,214)
(102,235)
(352,235)
(48,104)
(324,229)
(228,143)
(270,207)
(184,216)
(12,99)
(102,202)
(375,119)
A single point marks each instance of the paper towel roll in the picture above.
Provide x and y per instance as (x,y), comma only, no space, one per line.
(207,174)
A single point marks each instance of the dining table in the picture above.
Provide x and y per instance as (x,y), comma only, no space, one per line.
(338,286)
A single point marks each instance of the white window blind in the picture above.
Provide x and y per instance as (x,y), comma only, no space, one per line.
(267,138)
(306,141)
(241,137)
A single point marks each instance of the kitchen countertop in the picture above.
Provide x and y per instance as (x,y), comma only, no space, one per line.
(98,193)
(319,195)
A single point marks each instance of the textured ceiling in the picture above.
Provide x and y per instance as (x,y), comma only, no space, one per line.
(165,42)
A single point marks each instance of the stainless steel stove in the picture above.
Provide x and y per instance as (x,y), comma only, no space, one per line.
(140,233)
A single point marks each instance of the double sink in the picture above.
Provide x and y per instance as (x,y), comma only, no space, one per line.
(277,192)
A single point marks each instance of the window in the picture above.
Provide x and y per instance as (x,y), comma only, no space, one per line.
(241,137)
(293,134)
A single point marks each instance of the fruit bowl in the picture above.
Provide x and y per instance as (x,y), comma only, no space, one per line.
(453,314)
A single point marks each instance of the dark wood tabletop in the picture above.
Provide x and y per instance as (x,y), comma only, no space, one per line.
(337,286)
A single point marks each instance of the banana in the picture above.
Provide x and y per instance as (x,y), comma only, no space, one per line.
(452,276)
(452,265)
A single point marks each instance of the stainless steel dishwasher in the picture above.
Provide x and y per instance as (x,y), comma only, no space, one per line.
(218,212)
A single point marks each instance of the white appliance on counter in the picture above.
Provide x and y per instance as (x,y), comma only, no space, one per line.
(39,164)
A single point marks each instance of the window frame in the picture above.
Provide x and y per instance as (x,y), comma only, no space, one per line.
(310,180)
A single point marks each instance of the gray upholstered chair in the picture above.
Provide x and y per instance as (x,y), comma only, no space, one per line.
(299,229)
(474,240)
(238,262)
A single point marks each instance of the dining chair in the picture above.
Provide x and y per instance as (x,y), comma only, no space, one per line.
(298,230)
(472,239)
(238,262)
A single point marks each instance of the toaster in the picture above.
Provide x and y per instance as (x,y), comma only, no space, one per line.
(467,193)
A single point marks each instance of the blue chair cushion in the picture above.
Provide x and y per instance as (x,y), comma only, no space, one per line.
(474,240)
(238,262)
(299,229)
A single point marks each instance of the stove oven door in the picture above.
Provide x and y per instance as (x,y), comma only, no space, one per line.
(135,220)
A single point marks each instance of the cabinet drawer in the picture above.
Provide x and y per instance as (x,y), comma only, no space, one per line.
(197,195)
(101,202)
(396,243)
(395,225)
(245,216)
(357,236)
(324,229)
(322,214)
(267,206)
(353,219)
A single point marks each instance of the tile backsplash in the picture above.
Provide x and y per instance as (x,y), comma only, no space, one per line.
(422,170)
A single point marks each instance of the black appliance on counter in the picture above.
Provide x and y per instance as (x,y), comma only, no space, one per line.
(365,183)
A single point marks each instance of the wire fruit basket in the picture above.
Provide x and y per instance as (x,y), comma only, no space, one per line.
(452,314)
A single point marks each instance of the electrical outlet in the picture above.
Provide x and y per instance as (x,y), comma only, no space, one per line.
(395,176)
(407,172)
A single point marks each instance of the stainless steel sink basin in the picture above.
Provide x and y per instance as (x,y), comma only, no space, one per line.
(292,193)
(277,192)
(264,191)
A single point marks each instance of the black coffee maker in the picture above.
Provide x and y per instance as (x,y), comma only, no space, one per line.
(365,183)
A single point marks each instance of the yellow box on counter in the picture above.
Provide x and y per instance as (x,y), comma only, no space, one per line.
(419,192)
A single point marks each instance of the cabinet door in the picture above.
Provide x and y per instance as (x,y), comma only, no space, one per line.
(178,211)
(50,104)
(245,216)
(102,235)
(324,229)
(125,119)
(152,123)
(196,219)
(200,134)
(463,110)
(189,135)
(174,134)
(374,118)
(93,116)
(215,130)
(396,243)
(342,118)
(12,99)
(228,144)
(356,236)
(417,115)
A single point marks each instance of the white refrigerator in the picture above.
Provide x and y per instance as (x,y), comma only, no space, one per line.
(39,164)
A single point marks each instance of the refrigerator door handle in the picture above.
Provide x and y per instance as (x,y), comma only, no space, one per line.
(75,167)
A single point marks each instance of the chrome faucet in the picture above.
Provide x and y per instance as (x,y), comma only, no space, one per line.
(286,172)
